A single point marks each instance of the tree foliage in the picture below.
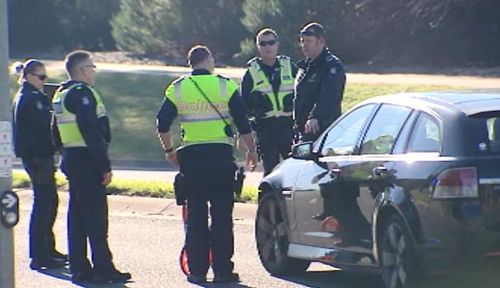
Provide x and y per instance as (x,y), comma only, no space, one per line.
(437,32)
(173,26)
(406,31)
(60,24)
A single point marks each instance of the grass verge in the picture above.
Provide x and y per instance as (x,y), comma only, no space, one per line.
(149,188)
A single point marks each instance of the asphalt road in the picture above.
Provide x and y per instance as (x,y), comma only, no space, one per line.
(146,236)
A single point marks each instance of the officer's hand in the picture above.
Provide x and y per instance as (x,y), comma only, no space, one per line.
(106,179)
(312,126)
(172,157)
(251,160)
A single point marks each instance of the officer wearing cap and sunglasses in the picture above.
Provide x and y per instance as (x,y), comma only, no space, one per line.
(319,85)
(33,144)
(267,89)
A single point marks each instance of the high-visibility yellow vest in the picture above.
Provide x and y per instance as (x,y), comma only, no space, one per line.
(200,122)
(262,84)
(66,121)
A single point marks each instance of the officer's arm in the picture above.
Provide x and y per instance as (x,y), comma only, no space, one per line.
(294,70)
(246,91)
(83,105)
(33,113)
(239,113)
(56,136)
(328,104)
(164,119)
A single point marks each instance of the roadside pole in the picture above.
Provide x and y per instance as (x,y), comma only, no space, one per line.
(9,203)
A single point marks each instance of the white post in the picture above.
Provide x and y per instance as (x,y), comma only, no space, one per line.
(6,201)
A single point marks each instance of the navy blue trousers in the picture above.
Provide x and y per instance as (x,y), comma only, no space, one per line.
(45,201)
(209,170)
(87,213)
(275,140)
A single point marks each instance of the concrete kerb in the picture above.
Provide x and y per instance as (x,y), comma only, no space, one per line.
(131,206)
(146,206)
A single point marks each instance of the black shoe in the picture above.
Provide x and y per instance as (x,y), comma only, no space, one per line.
(81,277)
(227,278)
(111,277)
(58,255)
(196,279)
(49,263)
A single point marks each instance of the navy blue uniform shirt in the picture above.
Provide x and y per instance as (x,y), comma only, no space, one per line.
(31,118)
(319,89)
(95,131)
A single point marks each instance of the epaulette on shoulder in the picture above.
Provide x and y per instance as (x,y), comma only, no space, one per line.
(178,80)
(254,59)
(329,58)
(223,77)
(280,57)
(79,86)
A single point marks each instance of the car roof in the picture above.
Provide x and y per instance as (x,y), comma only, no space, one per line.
(469,102)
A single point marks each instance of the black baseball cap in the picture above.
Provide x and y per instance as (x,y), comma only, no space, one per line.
(313,29)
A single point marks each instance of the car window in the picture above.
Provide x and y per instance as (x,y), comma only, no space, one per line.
(341,139)
(493,125)
(384,129)
(425,136)
(484,132)
(404,134)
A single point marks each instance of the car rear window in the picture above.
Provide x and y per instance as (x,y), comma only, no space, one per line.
(485,130)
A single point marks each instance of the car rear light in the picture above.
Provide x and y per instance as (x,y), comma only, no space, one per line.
(330,224)
(457,183)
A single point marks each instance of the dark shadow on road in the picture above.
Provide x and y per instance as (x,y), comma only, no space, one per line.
(337,279)
(64,274)
(227,285)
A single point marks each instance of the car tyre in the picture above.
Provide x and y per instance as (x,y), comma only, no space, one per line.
(271,234)
(397,255)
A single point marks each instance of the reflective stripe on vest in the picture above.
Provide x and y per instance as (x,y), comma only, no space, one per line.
(66,121)
(200,122)
(262,84)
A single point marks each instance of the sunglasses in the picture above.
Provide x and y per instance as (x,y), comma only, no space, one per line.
(267,43)
(307,33)
(42,77)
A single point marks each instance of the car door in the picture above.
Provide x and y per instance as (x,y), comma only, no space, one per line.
(314,201)
(370,173)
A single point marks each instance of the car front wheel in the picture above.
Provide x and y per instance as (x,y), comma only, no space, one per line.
(398,261)
(272,239)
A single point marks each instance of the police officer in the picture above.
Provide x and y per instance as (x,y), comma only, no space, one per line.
(83,131)
(205,104)
(33,144)
(319,84)
(267,89)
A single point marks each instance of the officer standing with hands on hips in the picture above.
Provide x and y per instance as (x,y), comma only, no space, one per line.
(319,85)
(32,114)
(205,105)
(81,128)
(267,89)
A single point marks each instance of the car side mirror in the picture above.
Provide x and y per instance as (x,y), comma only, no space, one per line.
(303,150)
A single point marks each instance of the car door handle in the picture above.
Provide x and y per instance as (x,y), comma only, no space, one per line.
(379,170)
